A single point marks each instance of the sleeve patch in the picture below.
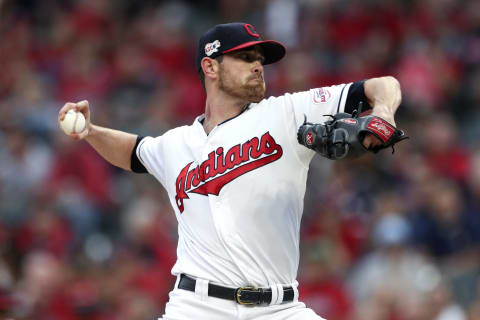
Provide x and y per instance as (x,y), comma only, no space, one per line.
(321,95)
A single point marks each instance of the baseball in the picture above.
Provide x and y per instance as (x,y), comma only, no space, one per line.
(74,122)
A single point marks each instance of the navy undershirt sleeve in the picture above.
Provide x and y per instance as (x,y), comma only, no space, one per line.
(356,94)
(135,163)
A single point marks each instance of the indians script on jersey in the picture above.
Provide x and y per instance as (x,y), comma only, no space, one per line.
(223,167)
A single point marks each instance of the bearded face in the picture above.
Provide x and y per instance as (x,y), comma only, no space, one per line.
(246,87)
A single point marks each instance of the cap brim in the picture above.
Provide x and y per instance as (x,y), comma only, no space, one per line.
(273,51)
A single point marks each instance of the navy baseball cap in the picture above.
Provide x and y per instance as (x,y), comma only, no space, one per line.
(229,37)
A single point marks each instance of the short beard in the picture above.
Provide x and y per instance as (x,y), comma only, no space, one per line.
(251,92)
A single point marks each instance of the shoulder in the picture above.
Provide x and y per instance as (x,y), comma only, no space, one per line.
(169,135)
(177,131)
(280,99)
(319,95)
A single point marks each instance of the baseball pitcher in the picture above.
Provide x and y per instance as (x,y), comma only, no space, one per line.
(236,177)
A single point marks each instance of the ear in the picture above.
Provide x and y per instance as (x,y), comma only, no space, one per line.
(209,67)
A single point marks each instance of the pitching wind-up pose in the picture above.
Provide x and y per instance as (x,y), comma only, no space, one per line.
(236,177)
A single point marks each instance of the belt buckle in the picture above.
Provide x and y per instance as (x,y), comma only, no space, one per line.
(238,296)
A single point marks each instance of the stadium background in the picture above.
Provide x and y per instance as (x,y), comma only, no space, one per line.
(384,238)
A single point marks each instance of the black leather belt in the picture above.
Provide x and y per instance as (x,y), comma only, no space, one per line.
(244,295)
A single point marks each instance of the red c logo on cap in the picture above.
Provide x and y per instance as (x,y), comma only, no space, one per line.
(251,30)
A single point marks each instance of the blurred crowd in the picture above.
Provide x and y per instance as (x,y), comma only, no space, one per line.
(384,237)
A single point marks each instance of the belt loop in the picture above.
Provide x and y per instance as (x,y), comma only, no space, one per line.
(179,276)
(280,293)
(273,287)
(201,289)
(295,291)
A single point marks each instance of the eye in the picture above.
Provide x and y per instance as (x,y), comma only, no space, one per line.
(250,57)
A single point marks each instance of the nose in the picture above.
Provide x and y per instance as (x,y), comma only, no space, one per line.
(258,67)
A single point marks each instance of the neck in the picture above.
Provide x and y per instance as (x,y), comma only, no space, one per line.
(220,107)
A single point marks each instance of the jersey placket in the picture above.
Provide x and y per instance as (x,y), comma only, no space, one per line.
(214,200)
(220,212)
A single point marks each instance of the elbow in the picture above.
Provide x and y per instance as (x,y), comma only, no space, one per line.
(383,89)
(393,86)
(393,82)
(397,88)
(389,81)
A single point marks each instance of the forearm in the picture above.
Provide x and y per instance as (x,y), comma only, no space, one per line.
(114,146)
(384,95)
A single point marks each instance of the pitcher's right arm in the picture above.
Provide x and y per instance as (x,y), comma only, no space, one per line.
(113,145)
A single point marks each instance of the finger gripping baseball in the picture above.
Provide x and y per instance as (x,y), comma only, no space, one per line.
(342,136)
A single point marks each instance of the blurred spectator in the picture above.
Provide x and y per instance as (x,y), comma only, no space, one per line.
(326,257)
(39,292)
(25,166)
(447,156)
(443,307)
(443,225)
(78,166)
(391,274)
(474,311)
(46,230)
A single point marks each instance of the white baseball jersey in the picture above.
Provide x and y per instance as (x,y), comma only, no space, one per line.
(238,192)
